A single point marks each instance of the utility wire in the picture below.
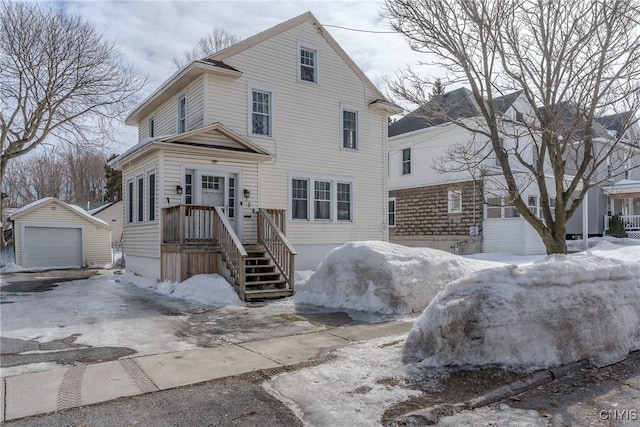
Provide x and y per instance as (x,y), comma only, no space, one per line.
(360,31)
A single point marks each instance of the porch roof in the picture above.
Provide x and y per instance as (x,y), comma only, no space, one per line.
(243,145)
(623,189)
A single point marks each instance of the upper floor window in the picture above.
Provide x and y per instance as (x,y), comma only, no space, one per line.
(140,196)
(130,201)
(406,161)
(260,113)
(308,65)
(152,127)
(455,201)
(349,129)
(182,114)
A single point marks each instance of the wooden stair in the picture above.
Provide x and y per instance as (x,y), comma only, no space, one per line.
(262,278)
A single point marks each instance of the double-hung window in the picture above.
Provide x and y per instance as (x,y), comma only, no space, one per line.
(151,196)
(299,198)
(260,113)
(182,114)
(455,201)
(308,65)
(392,212)
(140,198)
(406,161)
(532,204)
(322,200)
(130,200)
(152,127)
(350,129)
(344,201)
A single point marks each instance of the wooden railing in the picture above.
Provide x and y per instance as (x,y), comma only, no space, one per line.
(630,222)
(233,253)
(188,224)
(275,242)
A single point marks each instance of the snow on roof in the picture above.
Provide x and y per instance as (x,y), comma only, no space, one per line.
(48,200)
(559,310)
(383,277)
(101,208)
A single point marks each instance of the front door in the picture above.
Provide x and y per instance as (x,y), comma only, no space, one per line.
(218,189)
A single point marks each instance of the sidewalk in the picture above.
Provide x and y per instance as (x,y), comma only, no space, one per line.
(58,389)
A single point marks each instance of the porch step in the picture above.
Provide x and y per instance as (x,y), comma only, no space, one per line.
(268,293)
(276,283)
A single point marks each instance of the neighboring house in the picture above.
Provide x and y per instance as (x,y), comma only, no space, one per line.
(52,233)
(256,159)
(620,193)
(465,211)
(112,214)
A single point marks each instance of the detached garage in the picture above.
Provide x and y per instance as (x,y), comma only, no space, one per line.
(51,233)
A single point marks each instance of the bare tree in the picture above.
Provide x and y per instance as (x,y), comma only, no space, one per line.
(85,174)
(60,81)
(209,44)
(572,62)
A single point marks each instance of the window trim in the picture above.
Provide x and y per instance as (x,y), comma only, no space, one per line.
(395,212)
(313,48)
(404,162)
(182,121)
(334,180)
(257,87)
(350,109)
(450,205)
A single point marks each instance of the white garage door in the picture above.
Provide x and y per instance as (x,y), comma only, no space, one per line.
(52,247)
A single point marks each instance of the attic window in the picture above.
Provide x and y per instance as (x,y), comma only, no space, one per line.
(152,127)
(308,65)
(182,114)
(519,117)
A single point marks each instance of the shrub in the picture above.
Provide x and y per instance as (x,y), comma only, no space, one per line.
(616,227)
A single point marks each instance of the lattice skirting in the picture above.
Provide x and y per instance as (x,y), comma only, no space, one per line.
(633,234)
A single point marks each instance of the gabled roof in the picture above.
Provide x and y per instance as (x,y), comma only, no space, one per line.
(617,123)
(287,25)
(39,204)
(181,138)
(103,207)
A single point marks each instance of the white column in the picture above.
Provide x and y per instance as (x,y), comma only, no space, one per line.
(585,221)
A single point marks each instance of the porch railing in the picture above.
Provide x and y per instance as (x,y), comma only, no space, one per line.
(630,222)
(233,252)
(275,242)
(188,224)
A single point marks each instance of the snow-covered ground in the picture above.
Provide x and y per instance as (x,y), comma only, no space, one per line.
(382,277)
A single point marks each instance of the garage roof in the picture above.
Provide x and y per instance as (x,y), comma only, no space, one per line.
(38,204)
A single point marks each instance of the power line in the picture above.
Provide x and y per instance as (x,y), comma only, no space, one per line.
(360,31)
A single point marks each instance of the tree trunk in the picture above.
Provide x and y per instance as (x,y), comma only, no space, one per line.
(555,239)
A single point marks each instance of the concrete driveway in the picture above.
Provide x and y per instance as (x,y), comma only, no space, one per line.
(66,317)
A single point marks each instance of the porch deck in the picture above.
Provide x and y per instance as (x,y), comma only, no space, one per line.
(200,240)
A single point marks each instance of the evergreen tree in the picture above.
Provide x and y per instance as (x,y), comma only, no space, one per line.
(437,88)
(113,191)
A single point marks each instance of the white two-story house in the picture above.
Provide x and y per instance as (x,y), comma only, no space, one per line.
(256,160)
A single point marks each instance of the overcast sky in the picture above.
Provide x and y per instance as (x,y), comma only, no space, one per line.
(151,33)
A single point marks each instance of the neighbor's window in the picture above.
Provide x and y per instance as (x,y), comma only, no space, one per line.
(308,65)
(501,144)
(188,187)
(494,207)
(152,126)
(322,200)
(349,129)
(140,197)
(552,206)
(299,199)
(130,201)
(406,161)
(532,204)
(455,201)
(392,212)
(151,182)
(182,114)
(344,201)
(261,113)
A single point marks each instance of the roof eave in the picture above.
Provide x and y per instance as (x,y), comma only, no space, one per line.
(385,106)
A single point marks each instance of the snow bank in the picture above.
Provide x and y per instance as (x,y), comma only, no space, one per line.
(203,288)
(556,311)
(383,277)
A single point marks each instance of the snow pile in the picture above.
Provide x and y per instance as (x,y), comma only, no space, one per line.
(556,311)
(578,245)
(607,249)
(210,289)
(383,277)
